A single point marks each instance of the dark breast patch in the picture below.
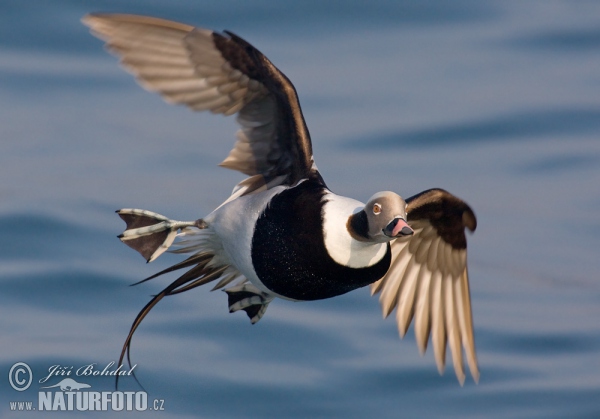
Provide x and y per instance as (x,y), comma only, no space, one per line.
(289,254)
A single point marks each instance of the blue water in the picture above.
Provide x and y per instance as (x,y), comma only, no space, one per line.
(498,102)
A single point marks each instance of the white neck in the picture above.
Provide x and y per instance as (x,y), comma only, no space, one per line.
(340,245)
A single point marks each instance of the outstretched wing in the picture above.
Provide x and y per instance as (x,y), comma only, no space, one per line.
(428,279)
(206,70)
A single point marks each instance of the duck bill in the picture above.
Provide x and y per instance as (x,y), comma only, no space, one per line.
(398,227)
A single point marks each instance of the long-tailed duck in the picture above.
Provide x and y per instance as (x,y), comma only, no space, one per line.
(282,233)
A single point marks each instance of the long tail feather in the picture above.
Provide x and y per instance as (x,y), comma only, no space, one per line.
(151,234)
(198,259)
(209,277)
(198,275)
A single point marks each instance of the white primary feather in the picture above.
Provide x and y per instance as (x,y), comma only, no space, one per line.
(406,296)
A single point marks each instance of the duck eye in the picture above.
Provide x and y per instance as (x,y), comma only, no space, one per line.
(376,209)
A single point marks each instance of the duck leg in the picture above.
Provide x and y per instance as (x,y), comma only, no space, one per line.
(149,233)
(250,299)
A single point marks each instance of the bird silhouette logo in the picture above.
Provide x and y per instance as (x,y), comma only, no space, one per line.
(68,384)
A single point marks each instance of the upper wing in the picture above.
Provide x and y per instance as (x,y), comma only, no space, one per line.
(428,278)
(206,70)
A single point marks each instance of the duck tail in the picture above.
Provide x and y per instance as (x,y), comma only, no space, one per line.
(151,234)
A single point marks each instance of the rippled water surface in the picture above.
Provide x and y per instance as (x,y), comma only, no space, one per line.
(498,102)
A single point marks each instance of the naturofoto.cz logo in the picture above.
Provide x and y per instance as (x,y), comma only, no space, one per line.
(70,394)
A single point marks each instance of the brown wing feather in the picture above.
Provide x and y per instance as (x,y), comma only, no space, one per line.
(223,73)
(446,213)
(428,279)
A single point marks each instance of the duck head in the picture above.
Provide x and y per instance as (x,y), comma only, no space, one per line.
(382,219)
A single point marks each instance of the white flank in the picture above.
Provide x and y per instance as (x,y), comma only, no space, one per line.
(233,224)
